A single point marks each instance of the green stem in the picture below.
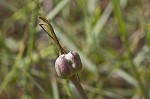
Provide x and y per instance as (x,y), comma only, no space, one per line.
(78,87)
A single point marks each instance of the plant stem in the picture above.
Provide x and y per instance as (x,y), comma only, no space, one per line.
(78,87)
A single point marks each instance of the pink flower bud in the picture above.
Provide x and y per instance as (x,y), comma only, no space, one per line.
(67,65)
(63,67)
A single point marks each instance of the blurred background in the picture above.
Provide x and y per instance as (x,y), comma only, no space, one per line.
(111,36)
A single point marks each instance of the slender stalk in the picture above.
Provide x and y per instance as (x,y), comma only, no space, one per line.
(78,87)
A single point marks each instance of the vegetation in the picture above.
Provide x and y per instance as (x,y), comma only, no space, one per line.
(111,36)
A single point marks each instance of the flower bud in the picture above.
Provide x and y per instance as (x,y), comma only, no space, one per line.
(67,65)
(63,67)
(75,60)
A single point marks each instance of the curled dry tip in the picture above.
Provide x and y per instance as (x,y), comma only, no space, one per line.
(41,18)
(45,20)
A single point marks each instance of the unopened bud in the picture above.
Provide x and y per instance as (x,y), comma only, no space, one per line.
(68,64)
(63,67)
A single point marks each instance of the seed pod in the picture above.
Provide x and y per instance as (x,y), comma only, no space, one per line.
(75,60)
(63,67)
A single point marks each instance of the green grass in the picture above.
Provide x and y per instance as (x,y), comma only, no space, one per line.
(111,37)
